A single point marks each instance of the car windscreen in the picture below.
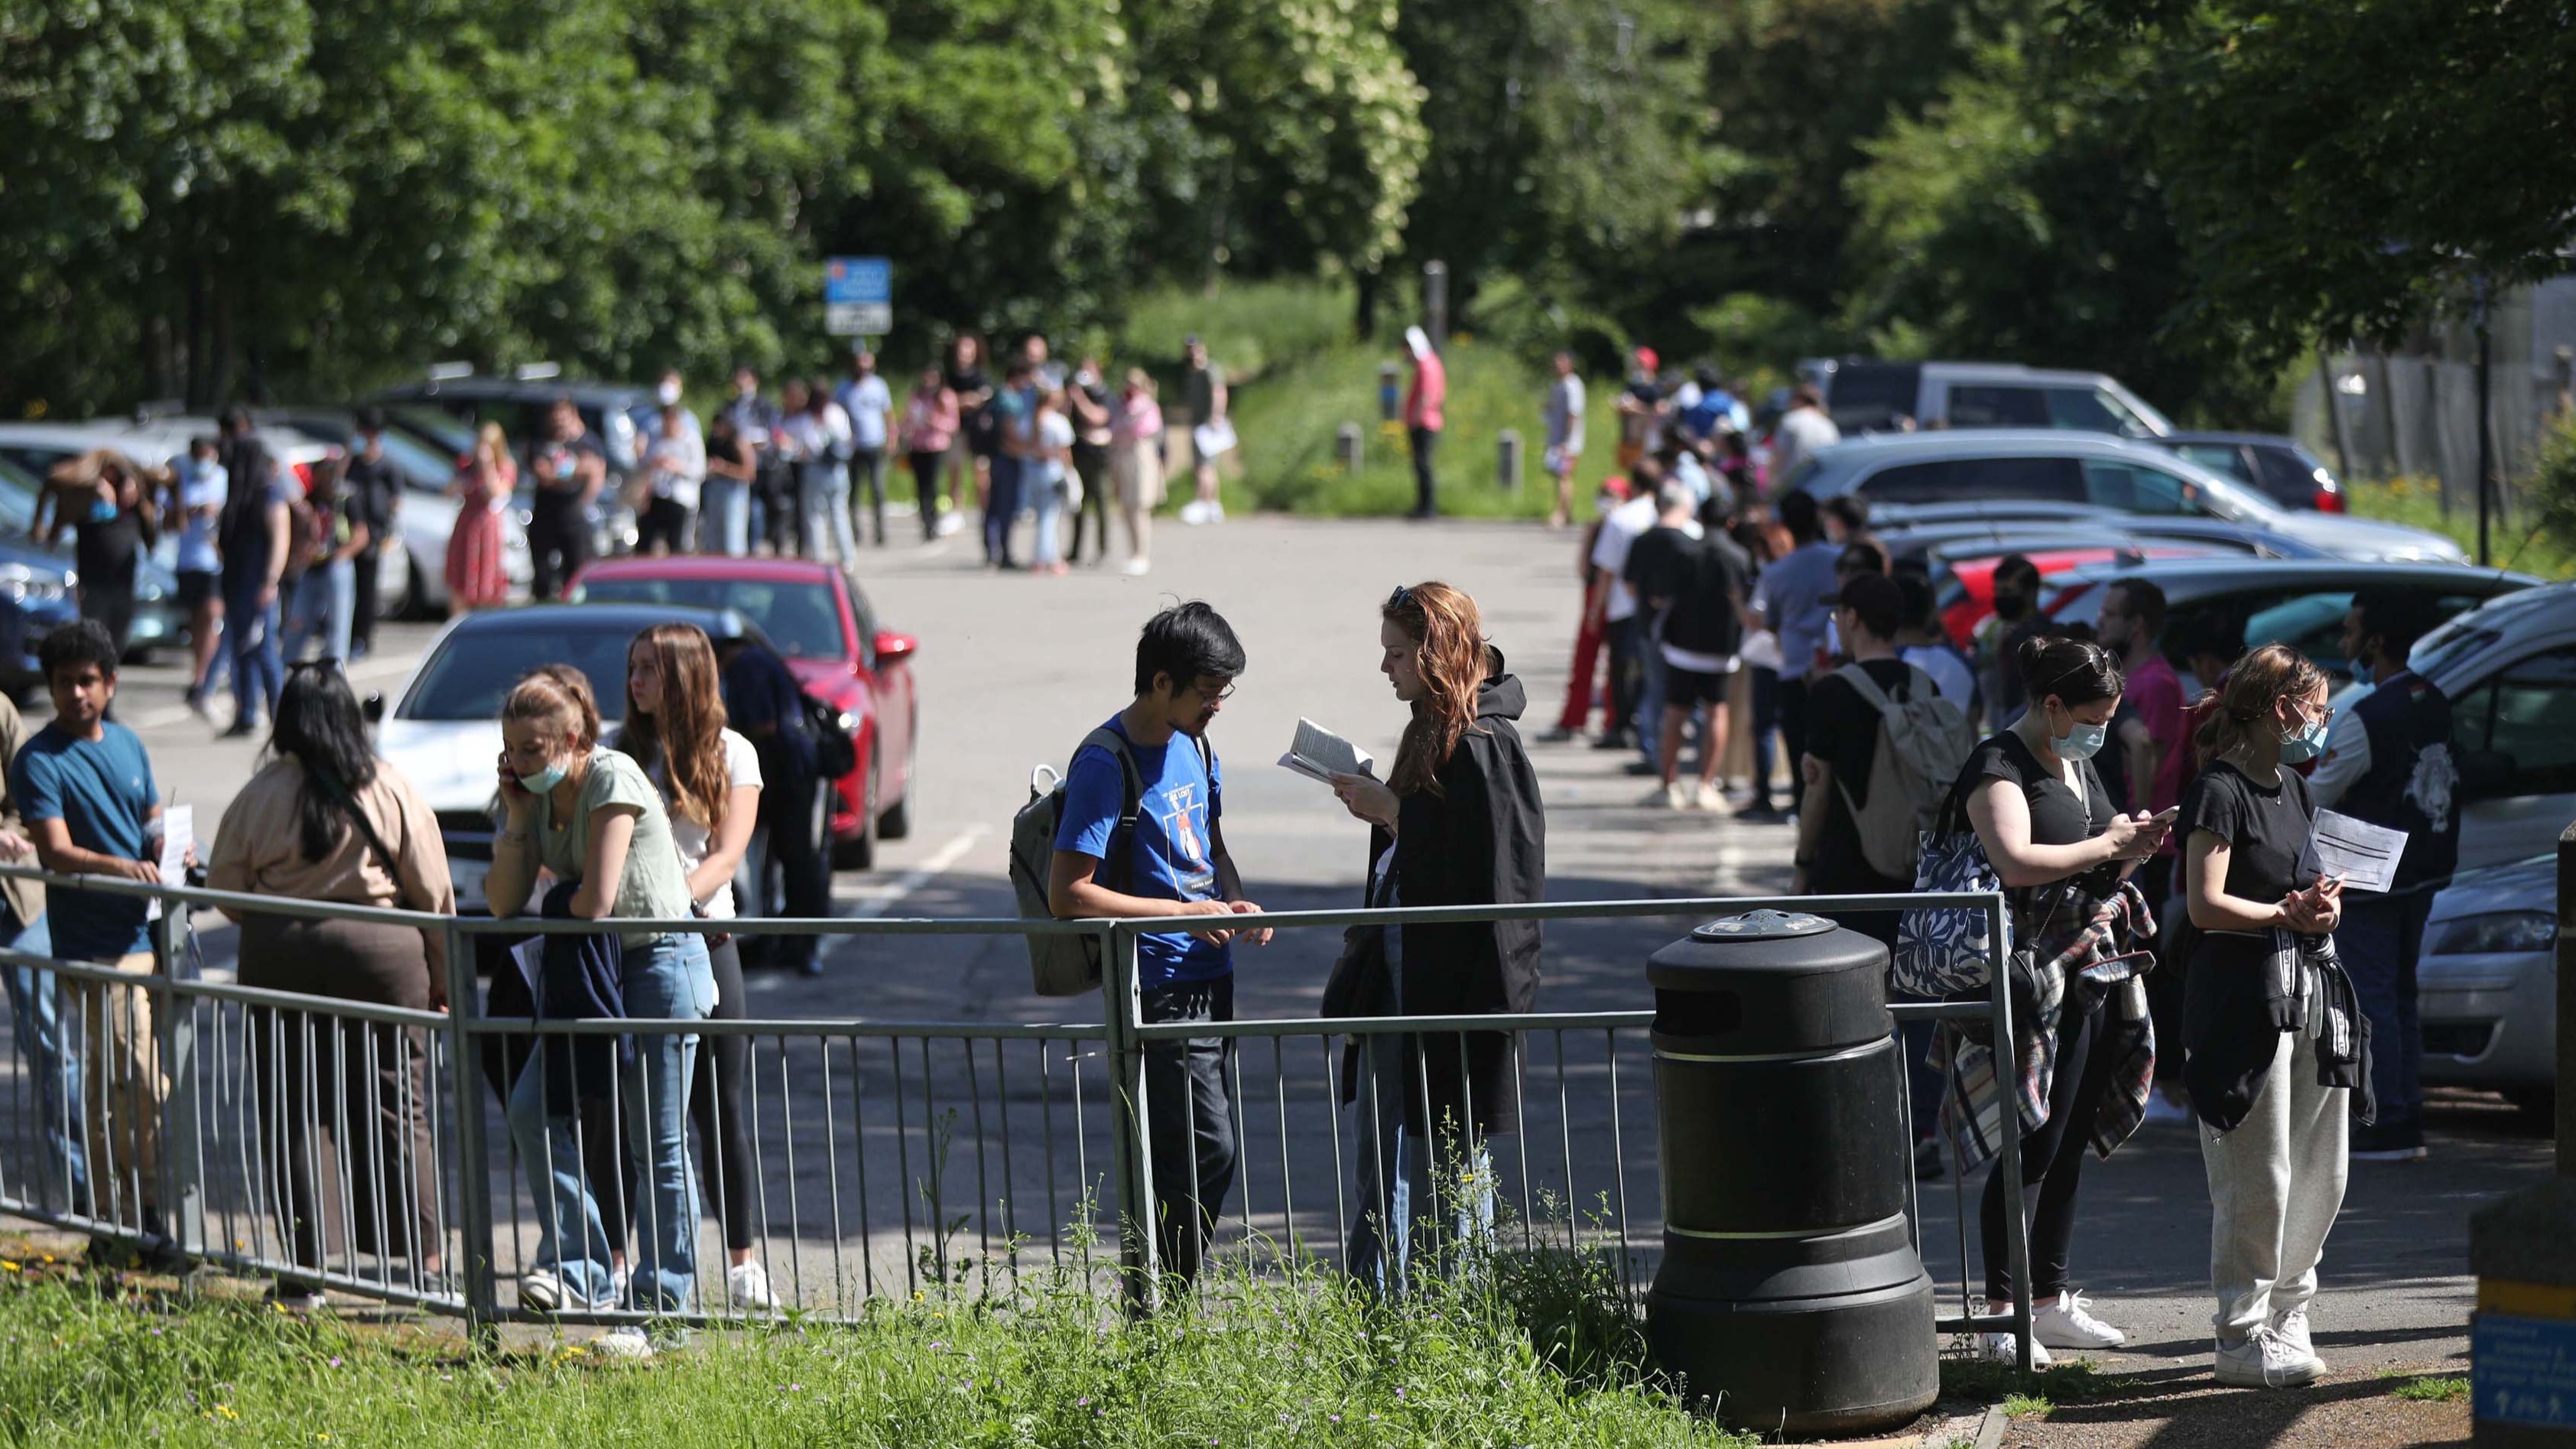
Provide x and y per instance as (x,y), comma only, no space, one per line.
(474,668)
(800,617)
(421,465)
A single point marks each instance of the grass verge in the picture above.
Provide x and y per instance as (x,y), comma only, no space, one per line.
(2433,1389)
(2022,1394)
(85,1361)
(2417,502)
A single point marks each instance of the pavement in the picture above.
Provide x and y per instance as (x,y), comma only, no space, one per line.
(1014,670)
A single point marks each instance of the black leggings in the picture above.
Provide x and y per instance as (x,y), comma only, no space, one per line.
(720,1109)
(1091,465)
(925,482)
(2052,1160)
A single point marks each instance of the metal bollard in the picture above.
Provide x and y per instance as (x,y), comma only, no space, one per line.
(1507,460)
(1350,447)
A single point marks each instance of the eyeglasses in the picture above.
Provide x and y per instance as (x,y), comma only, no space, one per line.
(1218,696)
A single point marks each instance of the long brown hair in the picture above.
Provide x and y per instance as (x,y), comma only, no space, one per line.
(1449,640)
(2231,713)
(686,735)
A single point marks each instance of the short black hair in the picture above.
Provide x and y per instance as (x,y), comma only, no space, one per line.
(1914,598)
(1798,515)
(1875,602)
(2210,634)
(371,420)
(1860,557)
(2396,616)
(2146,600)
(1851,511)
(82,641)
(235,419)
(2014,565)
(1187,642)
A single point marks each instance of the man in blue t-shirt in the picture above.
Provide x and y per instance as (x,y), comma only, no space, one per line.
(84,786)
(1173,864)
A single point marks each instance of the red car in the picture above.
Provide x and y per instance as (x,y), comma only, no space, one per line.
(821,622)
(1966,599)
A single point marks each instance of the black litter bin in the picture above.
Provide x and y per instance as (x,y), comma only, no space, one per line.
(1790,1290)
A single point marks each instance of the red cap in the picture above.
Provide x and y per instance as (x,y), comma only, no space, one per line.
(1647,359)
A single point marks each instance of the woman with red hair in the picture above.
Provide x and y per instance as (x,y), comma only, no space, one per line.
(1457,822)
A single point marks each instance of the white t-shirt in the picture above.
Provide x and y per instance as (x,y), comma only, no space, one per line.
(742,767)
(866,400)
(1800,433)
(1619,533)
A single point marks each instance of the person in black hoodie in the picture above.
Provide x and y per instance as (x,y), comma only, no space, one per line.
(1457,822)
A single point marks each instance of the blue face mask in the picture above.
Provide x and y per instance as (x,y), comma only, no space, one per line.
(543,780)
(101,510)
(2304,743)
(2081,741)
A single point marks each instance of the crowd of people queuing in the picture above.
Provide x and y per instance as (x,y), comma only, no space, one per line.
(2158,855)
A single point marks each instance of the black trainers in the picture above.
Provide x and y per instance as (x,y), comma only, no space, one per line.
(2389,1142)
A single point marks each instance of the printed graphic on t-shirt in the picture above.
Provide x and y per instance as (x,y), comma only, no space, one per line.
(1180,811)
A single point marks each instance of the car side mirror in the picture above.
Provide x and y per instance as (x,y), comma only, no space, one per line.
(373,707)
(2485,774)
(892,646)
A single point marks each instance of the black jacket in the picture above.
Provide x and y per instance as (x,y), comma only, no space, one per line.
(1480,839)
(561,977)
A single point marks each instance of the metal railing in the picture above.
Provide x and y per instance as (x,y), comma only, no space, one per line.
(882,1156)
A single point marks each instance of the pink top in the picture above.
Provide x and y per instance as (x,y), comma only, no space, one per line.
(1430,389)
(930,423)
(1137,418)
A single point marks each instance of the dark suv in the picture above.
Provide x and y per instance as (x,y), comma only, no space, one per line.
(2282,469)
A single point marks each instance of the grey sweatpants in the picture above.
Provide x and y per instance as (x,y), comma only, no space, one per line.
(2275,1185)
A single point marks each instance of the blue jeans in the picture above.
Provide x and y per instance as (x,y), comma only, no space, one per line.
(1442,1197)
(1048,499)
(52,1060)
(1001,508)
(823,499)
(724,516)
(258,672)
(2379,940)
(669,979)
(324,599)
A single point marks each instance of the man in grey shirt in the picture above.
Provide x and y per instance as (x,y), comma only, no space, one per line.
(1563,417)
(1789,600)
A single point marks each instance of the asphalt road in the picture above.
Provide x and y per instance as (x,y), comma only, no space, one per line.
(1014,670)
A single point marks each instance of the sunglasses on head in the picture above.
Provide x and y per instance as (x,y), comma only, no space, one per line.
(1397,600)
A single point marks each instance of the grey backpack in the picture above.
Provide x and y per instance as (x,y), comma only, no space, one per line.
(1068,965)
(1923,742)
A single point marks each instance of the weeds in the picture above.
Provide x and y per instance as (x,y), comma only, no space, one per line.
(1987,1382)
(2433,1389)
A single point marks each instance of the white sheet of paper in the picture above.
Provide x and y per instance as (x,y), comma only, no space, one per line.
(178,832)
(1319,754)
(2365,855)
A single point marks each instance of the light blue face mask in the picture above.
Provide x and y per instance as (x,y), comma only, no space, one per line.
(543,780)
(2081,741)
(2304,743)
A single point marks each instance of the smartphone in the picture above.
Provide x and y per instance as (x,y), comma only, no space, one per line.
(2167,816)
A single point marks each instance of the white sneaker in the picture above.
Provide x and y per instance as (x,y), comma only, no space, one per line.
(951,522)
(619,1277)
(1214,512)
(747,1284)
(1709,797)
(1675,796)
(1137,568)
(1194,513)
(2293,1330)
(628,1343)
(2265,1360)
(2064,1324)
(542,1290)
(1999,1347)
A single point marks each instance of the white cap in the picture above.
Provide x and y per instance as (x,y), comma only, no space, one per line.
(1417,341)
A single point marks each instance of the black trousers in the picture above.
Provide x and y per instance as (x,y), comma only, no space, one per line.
(2155,881)
(1627,674)
(2052,1162)
(1793,736)
(868,488)
(1426,442)
(107,598)
(362,614)
(666,521)
(1091,465)
(558,544)
(925,484)
(788,801)
(1189,1123)
(721,1110)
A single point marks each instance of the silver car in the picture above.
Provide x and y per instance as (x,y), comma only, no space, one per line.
(2070,467)
(2487,983)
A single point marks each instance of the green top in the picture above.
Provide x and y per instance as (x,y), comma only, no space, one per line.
(654,887)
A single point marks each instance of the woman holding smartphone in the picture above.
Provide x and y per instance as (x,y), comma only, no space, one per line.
(2048,826)
(2260,1001)
(590,816)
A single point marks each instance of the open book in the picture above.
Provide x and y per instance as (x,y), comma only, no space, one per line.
(1319,754)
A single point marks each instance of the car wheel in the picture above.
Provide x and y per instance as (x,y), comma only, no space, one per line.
(896,823)
(860,851)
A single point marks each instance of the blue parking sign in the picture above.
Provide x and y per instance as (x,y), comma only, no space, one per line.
(858,296)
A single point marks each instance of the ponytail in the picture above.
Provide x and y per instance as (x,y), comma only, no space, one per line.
(2227,716)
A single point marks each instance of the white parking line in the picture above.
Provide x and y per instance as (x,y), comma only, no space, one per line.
(881,899)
